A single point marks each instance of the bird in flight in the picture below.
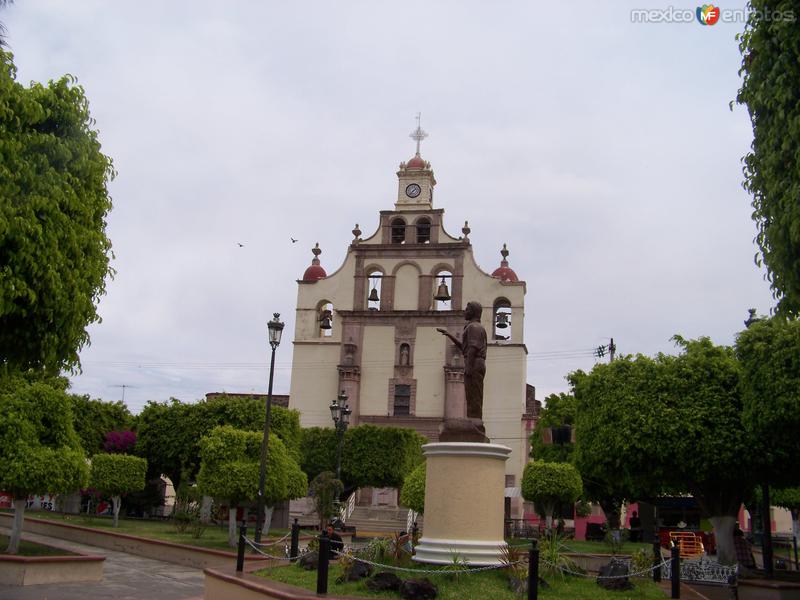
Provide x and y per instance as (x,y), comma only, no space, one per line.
(294,241)
(240,244)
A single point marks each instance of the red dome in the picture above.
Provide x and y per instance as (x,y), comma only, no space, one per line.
(505,274)
(416,163)
(314,273)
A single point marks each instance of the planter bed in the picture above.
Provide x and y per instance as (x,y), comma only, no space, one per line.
(181,554)
(32,570)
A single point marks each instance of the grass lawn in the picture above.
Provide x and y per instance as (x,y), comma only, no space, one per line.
(31,549)
(214,536)
(491,584)
(585,547)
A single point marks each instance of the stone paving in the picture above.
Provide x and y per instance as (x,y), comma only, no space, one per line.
(126,577)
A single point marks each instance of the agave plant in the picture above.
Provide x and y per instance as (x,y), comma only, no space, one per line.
(553,559)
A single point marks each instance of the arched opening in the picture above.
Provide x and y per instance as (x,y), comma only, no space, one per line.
(325,318)
(398,231)
(424,231)
(442,298)
(502,319)
(374,293)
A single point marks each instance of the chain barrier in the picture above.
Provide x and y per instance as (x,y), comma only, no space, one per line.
(266,544)
(440,571)
(664,562)
(255,547)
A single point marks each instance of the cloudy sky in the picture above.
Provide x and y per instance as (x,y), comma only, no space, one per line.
(602,151)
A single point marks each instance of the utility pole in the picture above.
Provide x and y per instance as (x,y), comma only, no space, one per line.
(610,348)
(123,386)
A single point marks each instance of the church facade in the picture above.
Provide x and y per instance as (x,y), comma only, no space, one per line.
(369,328)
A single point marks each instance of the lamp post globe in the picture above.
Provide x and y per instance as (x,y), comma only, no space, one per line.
(275,330)
(340,413)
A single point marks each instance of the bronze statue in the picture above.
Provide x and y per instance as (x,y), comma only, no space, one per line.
(473,346)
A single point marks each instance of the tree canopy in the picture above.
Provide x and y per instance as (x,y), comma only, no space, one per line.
(670,424)
(116,475)
(380,456)
(39,450)
(412,494)
(54,252)
(770,71)
(169,433)
(94,418)
(769,352)
(548,485)
(559,410)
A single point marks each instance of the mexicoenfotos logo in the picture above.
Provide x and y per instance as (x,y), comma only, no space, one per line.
(708,14)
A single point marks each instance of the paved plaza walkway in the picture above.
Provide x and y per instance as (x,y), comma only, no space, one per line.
(126,577)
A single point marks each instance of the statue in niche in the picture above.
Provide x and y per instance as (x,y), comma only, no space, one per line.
(472,345)
(404,355)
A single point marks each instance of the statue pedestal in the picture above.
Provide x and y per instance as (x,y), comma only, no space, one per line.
(464,490)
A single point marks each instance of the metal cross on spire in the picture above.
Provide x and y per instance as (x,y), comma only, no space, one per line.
(418,134)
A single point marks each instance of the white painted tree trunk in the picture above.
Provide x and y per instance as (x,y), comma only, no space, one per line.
(16,527)
(232,542)
(116,502)
(267,520)
(205,509)
(723,532)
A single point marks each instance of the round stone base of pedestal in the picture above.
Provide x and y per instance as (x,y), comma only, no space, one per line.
(475,553)
(464,508)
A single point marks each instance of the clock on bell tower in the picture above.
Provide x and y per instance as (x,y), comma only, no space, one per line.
(415,178)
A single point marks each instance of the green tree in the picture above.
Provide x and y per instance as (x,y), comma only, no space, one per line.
(325,489)
(318,450)
(413,493)
(94,418)
(39,450)
(789,498)
(380,456)
(549,485)
(117,474)
(769,352)
(770,73)
(670,424)
(54,253)
(230,460)
(169,433)
(559,410)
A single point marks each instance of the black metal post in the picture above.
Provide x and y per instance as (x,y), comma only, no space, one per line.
(294,548)
(676,572)
(262,477)
(322,564)
(794,543)
(533,571)
(340,433)
(240,549)
(657,561)
(766,540)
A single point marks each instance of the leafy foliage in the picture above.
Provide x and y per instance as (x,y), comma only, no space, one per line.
(39,450)
(770,87)
(412,494)
(230,467)
(53,244)
(169,433)
(380,456)
(769,352)
(117,474)
(559,410)
(669,424)
(318,452)
(549,484)
(93,419)
(325,490)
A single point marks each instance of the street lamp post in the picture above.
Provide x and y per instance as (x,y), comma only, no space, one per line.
(275,327)
(340,413)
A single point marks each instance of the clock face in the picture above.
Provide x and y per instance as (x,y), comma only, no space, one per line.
(413,190)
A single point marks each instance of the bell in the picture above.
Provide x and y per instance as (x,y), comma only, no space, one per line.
(502,320)
(325,321)
(373,295)
(442,293)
